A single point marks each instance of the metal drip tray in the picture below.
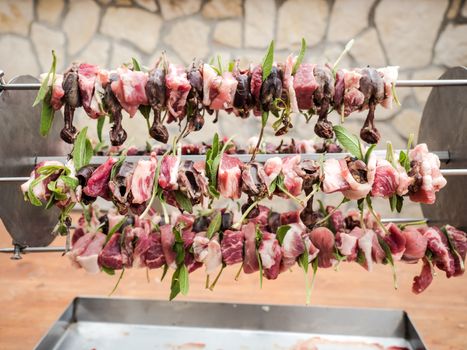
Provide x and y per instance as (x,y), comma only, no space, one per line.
(111,323)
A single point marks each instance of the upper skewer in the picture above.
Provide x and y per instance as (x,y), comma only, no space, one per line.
(399,83)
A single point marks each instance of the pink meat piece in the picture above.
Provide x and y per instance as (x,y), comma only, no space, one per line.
(323,239)
(168,173)
(404,181)
(292,181)
(129,235)
(292,246)
(130,89)
(153,255)
(305,85)
(98,183)
(111,255)
(256,81)
(415,244)
(114,218)
(290,217)
(438,245)
(358,190)
(200,246)
(272,168)
(262,218)
(86,80)
(40,190)
(178,88)
(96,108)
(229,177)
(79,247)
(143,180)
(395,240)
(347,245)
(250,262)
(223,93)
(334,181)
(459,240)
(336,219)
(232,247)
(433,180)
(214,257)
(57,93)
(168,241)
(339,89)
(313,251)
(386,180)
(422,281)
(87,259)
(353,97)
(271,255)
(389,75)
(187,220)
(142,246)
(77,234)
(209,76)
(288,83)
(305,146)
(369,246)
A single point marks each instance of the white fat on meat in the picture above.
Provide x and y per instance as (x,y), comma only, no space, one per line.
(365,243)
(389,75)
(209,74)
(433,180)
(347,244)
(333,181)
(288,82)
(353,97)
(272,168)
(130,89)
(292,246)
(86,250)
(229,177)
(358,190)
(169,172)
(143,179)
(207,251)
(267,253)
(293,182)
(96,105)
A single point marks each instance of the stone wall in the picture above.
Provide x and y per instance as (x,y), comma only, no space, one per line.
(423,37)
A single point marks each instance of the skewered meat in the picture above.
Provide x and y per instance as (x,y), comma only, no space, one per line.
(232,247)
(322,100)
(156,94)
(459,241)
(422,281)
(305,85)
(271,88)
(192,181)
(359,176)
(114,108)
(427,176)
(288,83)
(120,186)
(169,172)
(86,250)
(72,100)
(250,260)
(195,98)
(292,246)
(207,251)
(98,183)
(130,89)
(148,251)
(291,169)
(143,179)
(111,255)
(255,87)
(222,91)
(253,180)
(323,239)
(271,255)
(415,244)
(372,87)
(395,240)
(168,241)
(243,100)
(178,88)
(86,80)
(229,177)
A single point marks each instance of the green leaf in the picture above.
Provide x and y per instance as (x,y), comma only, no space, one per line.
(214,225)
(264,119)
(175,285)
(215,146)
(399,203)
(348,141)
(108,271)
(360,203)
(70,182)
(183,280)
(268,61)
(368,153)
(303,260)
(281,232)
(117,165)
(82,150)
(31,196)
(272,187)
(164,271)
(100,126)
(50,169)
(45,88)
(393,202)
(300,57)
(47,118)
(178,246)
(115,229)
(219,63)
(183,201)
(389,259)
(118,282)
(231,65)
(136,65)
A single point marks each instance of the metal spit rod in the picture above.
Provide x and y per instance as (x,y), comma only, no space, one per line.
(399,83)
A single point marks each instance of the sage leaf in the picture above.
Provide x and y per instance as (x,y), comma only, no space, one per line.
(348,141)
(47,118)
(115,229)
(82,150)
(300,57)
(281,232)
(108,271)
(268,61)
(44,89)
(183,280)
(368,153)
(100,126)
(183,201)
(175,285)
(214,225)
